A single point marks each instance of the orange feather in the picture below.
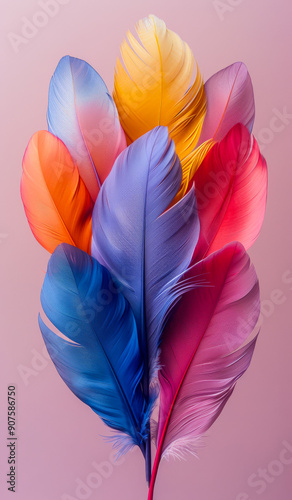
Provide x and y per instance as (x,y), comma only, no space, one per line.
(56,202)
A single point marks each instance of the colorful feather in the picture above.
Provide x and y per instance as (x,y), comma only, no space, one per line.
(201,354)
(231,192)
(230,100)
(154,87)
(142,244)
(83,115)
(56,202)
(191,164)
(100,361)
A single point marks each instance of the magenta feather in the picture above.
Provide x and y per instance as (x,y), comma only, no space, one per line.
(201,354)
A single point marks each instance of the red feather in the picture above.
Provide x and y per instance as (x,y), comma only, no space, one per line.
(231,192)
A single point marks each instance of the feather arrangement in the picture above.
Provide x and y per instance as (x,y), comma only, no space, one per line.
(148,201)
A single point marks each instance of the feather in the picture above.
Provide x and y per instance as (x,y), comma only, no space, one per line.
(230,100)
(83,115)
(191,164)
(99,360)
(56,202)
(154,87)
(231,192)
(141,243)
(201,353)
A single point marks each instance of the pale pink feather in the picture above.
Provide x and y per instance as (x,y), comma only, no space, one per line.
(230,100)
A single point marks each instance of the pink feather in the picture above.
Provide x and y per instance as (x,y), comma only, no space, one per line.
(200,359)
(231,192)
(230,100)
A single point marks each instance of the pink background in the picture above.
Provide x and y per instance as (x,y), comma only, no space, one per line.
(59,438)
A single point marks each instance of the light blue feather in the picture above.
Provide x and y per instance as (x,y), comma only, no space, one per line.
(144,244)
(83,115)
(101,361)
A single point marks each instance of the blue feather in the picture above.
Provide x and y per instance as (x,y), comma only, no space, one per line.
(144,244)
(100,362)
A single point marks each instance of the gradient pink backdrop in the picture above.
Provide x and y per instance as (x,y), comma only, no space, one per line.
(59,437)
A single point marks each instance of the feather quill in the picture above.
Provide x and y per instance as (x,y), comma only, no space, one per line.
(56,202)
(201,354)
(100,361)
(83,115)
(153,86)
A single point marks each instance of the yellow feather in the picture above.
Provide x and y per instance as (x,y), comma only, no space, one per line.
(153,86)
(190,165)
